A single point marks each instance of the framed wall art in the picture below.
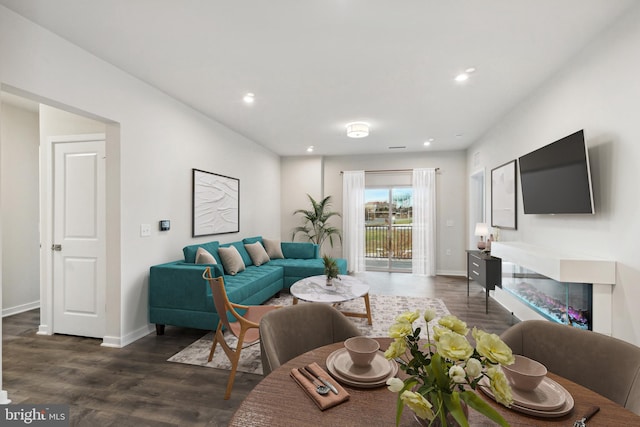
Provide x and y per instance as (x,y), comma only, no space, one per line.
(503,196)
(216,204)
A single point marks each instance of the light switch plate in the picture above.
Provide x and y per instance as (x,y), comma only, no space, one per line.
(145,230)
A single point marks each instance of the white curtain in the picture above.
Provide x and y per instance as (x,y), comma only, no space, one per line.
(424,222)
(353,220)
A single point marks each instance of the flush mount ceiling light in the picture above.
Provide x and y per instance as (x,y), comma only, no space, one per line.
(249,98)
(428,142)
(357,129)
(310,149)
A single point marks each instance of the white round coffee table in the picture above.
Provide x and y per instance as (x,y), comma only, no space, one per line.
(344,288)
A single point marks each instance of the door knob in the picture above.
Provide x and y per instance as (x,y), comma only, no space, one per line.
(56,247)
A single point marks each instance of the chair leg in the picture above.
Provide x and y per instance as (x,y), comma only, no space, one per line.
(215,340)
(234,365)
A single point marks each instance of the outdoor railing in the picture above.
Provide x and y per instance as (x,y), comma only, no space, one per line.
(378,242)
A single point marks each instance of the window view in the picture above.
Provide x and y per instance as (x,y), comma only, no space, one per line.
(388,227)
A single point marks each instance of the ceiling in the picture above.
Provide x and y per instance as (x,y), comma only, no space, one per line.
(316,65)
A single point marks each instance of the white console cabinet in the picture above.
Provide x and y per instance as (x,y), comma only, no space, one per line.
(561,267)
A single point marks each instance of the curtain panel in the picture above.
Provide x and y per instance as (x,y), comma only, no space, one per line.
(424,222)
(353,220)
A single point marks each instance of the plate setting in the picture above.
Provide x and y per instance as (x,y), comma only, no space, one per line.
(547,400)
(341,367)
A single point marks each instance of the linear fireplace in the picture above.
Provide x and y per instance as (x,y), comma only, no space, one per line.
(539,283)
(562,302)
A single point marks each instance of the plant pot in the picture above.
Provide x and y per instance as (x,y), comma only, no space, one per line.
(329,281)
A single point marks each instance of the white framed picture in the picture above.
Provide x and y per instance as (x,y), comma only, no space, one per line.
(216,204)
(503,196)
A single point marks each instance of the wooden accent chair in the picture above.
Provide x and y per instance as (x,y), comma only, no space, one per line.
(296,329)
(606,365)
(245,328)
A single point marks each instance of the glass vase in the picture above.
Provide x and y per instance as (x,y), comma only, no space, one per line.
(451,422)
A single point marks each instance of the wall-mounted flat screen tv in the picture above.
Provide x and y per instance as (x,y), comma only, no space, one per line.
(556,178)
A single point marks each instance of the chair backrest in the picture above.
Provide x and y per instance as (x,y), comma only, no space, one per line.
(220,298)
(606,365)
(293,330)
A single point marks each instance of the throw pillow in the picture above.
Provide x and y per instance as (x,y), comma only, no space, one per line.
(204,257)
(257,253)
(273,247)
(231,260)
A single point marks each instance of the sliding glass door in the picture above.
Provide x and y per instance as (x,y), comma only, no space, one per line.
(388,228)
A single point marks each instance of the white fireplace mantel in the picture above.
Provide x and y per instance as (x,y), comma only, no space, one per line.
(566,268)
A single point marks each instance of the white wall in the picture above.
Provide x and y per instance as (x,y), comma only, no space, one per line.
(19,140)
(451,193)
(149,161)
(597,91)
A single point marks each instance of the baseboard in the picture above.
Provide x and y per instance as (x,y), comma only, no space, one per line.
(20,308)
(462,273)
(119,342)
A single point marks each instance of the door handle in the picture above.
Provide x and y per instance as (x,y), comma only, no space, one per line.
(56,247)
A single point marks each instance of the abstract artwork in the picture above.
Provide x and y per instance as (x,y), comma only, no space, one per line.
(503,196)
(216,204)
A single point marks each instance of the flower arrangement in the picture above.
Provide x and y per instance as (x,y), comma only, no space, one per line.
(444,373)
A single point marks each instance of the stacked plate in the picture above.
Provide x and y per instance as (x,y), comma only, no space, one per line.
(341,367)
(547,400)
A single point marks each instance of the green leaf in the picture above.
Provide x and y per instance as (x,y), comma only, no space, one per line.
(452,403)
(480,405)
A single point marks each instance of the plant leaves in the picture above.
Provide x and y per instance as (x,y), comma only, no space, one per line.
(480,405)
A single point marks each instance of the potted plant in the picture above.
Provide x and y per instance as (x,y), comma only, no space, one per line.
(330,269)
(316,227)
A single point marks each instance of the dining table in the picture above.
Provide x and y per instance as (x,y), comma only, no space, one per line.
(279,401)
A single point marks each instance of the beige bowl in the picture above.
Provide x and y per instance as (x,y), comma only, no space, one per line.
(362,350)
(525,374)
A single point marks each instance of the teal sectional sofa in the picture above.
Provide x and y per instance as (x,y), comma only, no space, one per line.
(179,296)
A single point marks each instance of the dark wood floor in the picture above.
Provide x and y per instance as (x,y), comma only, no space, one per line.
(136,386)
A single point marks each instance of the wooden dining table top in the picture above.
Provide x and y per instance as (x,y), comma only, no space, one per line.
(278,401)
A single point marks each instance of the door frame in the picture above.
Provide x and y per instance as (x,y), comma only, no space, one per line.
(46,225)
(477,204)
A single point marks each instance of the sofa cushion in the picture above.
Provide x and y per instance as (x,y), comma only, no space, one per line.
(248,240)
(257,253)
(204,257)
(241,250)
(299,250)
(190,251)
(251,281)
(231,260)
(273,248)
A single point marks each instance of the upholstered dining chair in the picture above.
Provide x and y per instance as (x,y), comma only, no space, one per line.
(293,330)
(606,365)
(245,328)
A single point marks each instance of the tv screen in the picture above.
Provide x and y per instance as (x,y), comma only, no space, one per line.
(556,179)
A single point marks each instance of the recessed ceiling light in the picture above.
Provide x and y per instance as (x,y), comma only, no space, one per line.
(357,129)
(310,149)
(428,142)
(249,98)
(463,77)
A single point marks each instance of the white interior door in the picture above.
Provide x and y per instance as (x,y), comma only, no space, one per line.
(79,249)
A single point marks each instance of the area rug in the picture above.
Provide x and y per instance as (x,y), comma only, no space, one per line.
(384,310)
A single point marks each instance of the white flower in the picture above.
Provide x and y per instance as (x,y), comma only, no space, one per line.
(395,384)
(457,374)
(473,368)
(429,315)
